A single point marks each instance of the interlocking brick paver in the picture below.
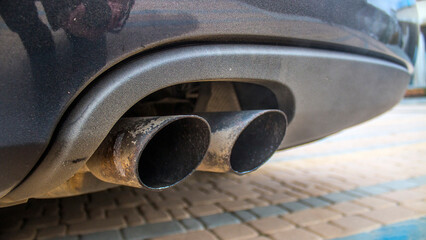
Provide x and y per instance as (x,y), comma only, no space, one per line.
(199,235)
(8,224)
(315,202)
(131,215)
(373,190)
(349,208)
(97,213)
(245,216)
(402,184)
(204,210)
(73,215)
(192,224)
(401,196)
(179,214)
(271,225)
(421,180)
(220,219)
(42,222)
(66,238)
(235,232)
(295,234)
(108,235)
(326,230)
(24,234)
(312,216)
(391,214)
(173,203)
(259,238)
(155,216)
(279,198)
(97,225)
(258,202)
(327,194)
(238,205)
(338,197)
(205,199)
(355,224)
(268,211)
(51,232)
(419,206)
(357,193)
(153,230)
(294,206)
(128,201)
(374,202)
(105,203)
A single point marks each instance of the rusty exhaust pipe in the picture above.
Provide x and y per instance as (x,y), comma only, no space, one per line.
(151,152)
(242,141)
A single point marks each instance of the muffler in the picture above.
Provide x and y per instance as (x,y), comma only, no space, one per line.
(242,141)
(151,152)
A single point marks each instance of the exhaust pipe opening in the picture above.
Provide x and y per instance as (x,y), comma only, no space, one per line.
(173,153)
(242,141)
(257,142)
(152,152)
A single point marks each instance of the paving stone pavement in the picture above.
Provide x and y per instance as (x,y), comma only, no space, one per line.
(354,182)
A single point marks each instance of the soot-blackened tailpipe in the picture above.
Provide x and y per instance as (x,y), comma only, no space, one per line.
(151,152)
(242,141)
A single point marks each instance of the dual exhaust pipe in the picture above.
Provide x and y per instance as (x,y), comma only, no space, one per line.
(158,152)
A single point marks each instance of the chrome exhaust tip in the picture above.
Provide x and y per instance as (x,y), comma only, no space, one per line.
(151,152)
(242,141)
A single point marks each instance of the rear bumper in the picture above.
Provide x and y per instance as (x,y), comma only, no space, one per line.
(328,91)
(32,108)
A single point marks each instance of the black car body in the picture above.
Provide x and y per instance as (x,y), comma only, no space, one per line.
(327,64)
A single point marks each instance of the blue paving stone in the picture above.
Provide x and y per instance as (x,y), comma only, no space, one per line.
(153,230)
(374,190)
(362,236)
(420,180)
(245,216)
(192,224)
(108,235)
(400,185)
(268,211)
(315,202)
(408,230)
(358,194)
(220,219)
(338,197)
(294,206)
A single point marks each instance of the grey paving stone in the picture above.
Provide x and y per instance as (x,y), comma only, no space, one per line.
(192,224)
(338,197)
(66,238)
(246,216)
(373,190)
(420,180)
(268,211)
(153,230)
(315,202)
(294,206)
(358,194)
(220,219)
(96,225)
(108,235)
(400,185)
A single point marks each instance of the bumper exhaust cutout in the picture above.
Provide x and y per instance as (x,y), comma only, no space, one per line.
(242,141)
(151,152)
